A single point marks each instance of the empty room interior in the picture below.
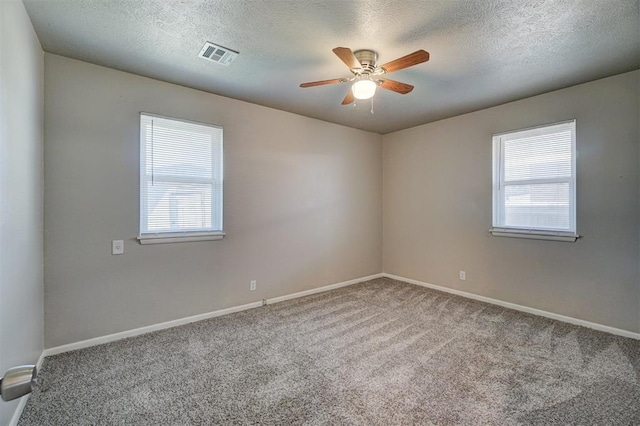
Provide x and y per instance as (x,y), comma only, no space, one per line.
(319,212)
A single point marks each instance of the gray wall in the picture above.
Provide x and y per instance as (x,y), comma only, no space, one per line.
(21,216)
(302,205)
(437,206)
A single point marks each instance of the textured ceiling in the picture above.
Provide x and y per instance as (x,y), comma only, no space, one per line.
(483,53)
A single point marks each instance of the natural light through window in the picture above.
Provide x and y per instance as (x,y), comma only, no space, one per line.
(180,180)
(534,183)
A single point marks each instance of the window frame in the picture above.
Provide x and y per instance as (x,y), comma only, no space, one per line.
(498,228)
(217,184)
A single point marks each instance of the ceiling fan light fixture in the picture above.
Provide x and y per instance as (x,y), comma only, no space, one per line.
(367,76)
(364,89)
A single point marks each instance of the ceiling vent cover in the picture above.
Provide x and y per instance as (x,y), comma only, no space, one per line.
(215,53)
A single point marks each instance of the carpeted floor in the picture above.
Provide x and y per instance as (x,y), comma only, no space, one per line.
(381,352)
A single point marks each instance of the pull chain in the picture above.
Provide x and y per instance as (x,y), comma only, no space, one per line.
(372,106)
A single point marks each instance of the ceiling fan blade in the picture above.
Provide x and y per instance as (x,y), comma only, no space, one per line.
(410,60)
(347,56)
(395,86)
(323,82)
(349,99)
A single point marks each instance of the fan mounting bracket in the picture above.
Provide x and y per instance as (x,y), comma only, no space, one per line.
(368,59)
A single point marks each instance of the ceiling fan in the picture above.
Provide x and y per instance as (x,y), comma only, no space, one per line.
(367,75)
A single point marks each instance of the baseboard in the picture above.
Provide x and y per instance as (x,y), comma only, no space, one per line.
(521,308)
(182,321)
(322,289)
(23,401)
(147,329)
(19,409)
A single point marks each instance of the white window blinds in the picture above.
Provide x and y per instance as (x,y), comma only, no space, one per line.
(534,182)
(180,177)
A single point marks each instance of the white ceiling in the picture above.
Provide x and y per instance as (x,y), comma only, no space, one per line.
(483,52)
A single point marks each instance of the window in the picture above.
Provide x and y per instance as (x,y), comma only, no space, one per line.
(180,180)
(534,183)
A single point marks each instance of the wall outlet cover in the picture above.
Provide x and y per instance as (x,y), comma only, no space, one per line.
(117,247)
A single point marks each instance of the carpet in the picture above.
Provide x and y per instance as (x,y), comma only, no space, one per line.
(376,353)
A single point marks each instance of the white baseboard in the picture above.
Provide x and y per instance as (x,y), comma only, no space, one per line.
(144,330)
(39,361)
(23,401)
(322,289)
(521,308)
(19,409)
(182,321)
(170,324)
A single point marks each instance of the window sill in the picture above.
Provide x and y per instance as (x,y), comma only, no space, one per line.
(179,238)
(534,235)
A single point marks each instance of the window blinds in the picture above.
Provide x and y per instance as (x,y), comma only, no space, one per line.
(534,179)
(180,177)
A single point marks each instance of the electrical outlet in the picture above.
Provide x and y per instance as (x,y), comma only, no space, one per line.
(463,275)
(117,247)
(253,285)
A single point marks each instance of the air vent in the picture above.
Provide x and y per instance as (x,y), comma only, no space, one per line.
(218,54)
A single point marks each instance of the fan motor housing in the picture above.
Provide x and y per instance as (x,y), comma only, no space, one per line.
(367,59)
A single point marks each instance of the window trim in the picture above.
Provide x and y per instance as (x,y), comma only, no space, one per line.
(145,238)
(179,237)
(498,188)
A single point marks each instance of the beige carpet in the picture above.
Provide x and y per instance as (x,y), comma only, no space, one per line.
(381,352)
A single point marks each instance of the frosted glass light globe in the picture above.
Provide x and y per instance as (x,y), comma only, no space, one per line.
(364,89)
